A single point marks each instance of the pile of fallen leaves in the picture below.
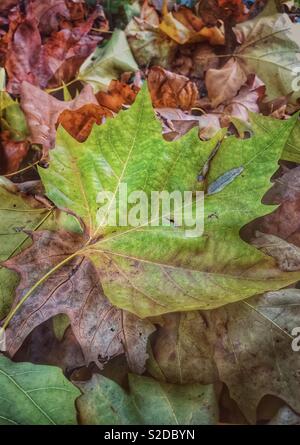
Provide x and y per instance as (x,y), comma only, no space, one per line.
(147,325)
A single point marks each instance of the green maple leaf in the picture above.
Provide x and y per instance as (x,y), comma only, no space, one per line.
(153,270)
(35,395)
(264,124)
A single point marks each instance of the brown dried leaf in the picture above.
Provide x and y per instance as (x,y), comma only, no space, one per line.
(183,26)
(286,254)
(170,90)
(118,94)
(42,111)
(48,14)
(176,122)
(12,153)
(79,123)
(247,100)
(223,84)
(195,60)
(284,222)
(28,59)
(247,345)
(102,330)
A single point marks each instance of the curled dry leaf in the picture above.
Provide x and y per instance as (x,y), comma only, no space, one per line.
(42,112)
(176,122)
(224,83)
(148,43)
(117,95)
(170,90)
(12,153)
(28,59)
(79,123)
(183,26)
(48,14)
(247,100)
(193,61)
(102,330)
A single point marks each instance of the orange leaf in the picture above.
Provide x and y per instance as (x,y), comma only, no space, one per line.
(79,123)
(171,90)
(118,94)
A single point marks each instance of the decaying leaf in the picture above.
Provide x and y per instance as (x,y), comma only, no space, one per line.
(147,42)
(286,254)
(284,222)
(117,95)
(223,84)
(29,59)
(270,49)
(79,123)
(19,213)
(107,63)
(171,90)
(49,14)
(42,112)
(183,26)
(102,331)
(247,345)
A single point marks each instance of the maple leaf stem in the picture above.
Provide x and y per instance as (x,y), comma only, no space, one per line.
(32,289)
